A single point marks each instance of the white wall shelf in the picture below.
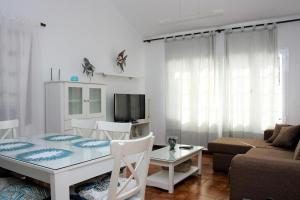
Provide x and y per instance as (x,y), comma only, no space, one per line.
(117,75)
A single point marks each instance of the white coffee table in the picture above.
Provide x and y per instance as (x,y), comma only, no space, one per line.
(165,179)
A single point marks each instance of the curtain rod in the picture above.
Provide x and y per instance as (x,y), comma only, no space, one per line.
(219,30)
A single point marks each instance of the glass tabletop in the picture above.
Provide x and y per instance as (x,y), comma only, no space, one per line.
(164,154)
(54,151)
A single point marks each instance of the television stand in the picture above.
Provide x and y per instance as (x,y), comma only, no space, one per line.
(140,128)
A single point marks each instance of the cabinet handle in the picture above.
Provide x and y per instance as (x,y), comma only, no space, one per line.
(86,100)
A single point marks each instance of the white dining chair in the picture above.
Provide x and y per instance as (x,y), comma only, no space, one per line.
(114,130)
(9,127)
(126,152)
(83,126)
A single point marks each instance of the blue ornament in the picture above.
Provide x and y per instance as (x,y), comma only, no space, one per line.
(74,78)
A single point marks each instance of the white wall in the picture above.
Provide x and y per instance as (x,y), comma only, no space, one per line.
(288,40)
(77,29)
(155,87)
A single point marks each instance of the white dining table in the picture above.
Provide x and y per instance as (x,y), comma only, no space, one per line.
(57,159)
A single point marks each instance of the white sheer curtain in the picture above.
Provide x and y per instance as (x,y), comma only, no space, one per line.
(15,67)
(252,82)
(192,90)
(207,98)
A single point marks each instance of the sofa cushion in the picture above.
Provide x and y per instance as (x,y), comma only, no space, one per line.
(268,133)
(221,161)
(228,145)
(276,132)
(297,152)
(271,153)
(288,137)
(236,145)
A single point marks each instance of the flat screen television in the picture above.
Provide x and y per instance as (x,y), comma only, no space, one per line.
(129,107)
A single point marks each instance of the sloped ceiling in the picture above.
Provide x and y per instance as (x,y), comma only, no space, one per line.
(154,17)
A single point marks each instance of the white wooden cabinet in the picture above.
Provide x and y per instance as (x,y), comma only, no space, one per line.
(70,100)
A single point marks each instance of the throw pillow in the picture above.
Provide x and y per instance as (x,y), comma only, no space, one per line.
(288,137)
(297,152)
(276,132)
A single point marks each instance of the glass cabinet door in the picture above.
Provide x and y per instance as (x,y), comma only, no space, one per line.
(75,100)
(95,100)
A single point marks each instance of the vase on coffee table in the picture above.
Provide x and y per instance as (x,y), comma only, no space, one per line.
(172,140)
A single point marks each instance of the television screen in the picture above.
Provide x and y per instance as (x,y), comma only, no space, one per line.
(129,107)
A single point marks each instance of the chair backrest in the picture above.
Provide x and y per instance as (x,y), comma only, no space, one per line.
(9,126)
(123,150)
(79,125)
(114,130)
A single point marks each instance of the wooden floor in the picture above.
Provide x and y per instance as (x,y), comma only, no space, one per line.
(208,186)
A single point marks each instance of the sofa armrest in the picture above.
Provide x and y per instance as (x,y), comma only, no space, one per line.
(268,133)
(264,178)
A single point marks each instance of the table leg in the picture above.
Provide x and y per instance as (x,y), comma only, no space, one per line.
(59,188)
(171,178)
(200,162)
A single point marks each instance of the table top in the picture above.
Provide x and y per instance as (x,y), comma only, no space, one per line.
(54,151)
(164,154)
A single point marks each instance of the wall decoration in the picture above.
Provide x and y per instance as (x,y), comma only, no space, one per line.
(88,68)
(121,60)
(92,143)
(58,138)
(14,146)
(44,155)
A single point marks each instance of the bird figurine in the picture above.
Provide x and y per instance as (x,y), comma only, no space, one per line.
(88,68)
(121,60)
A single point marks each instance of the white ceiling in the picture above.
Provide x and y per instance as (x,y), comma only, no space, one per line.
(155,17)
